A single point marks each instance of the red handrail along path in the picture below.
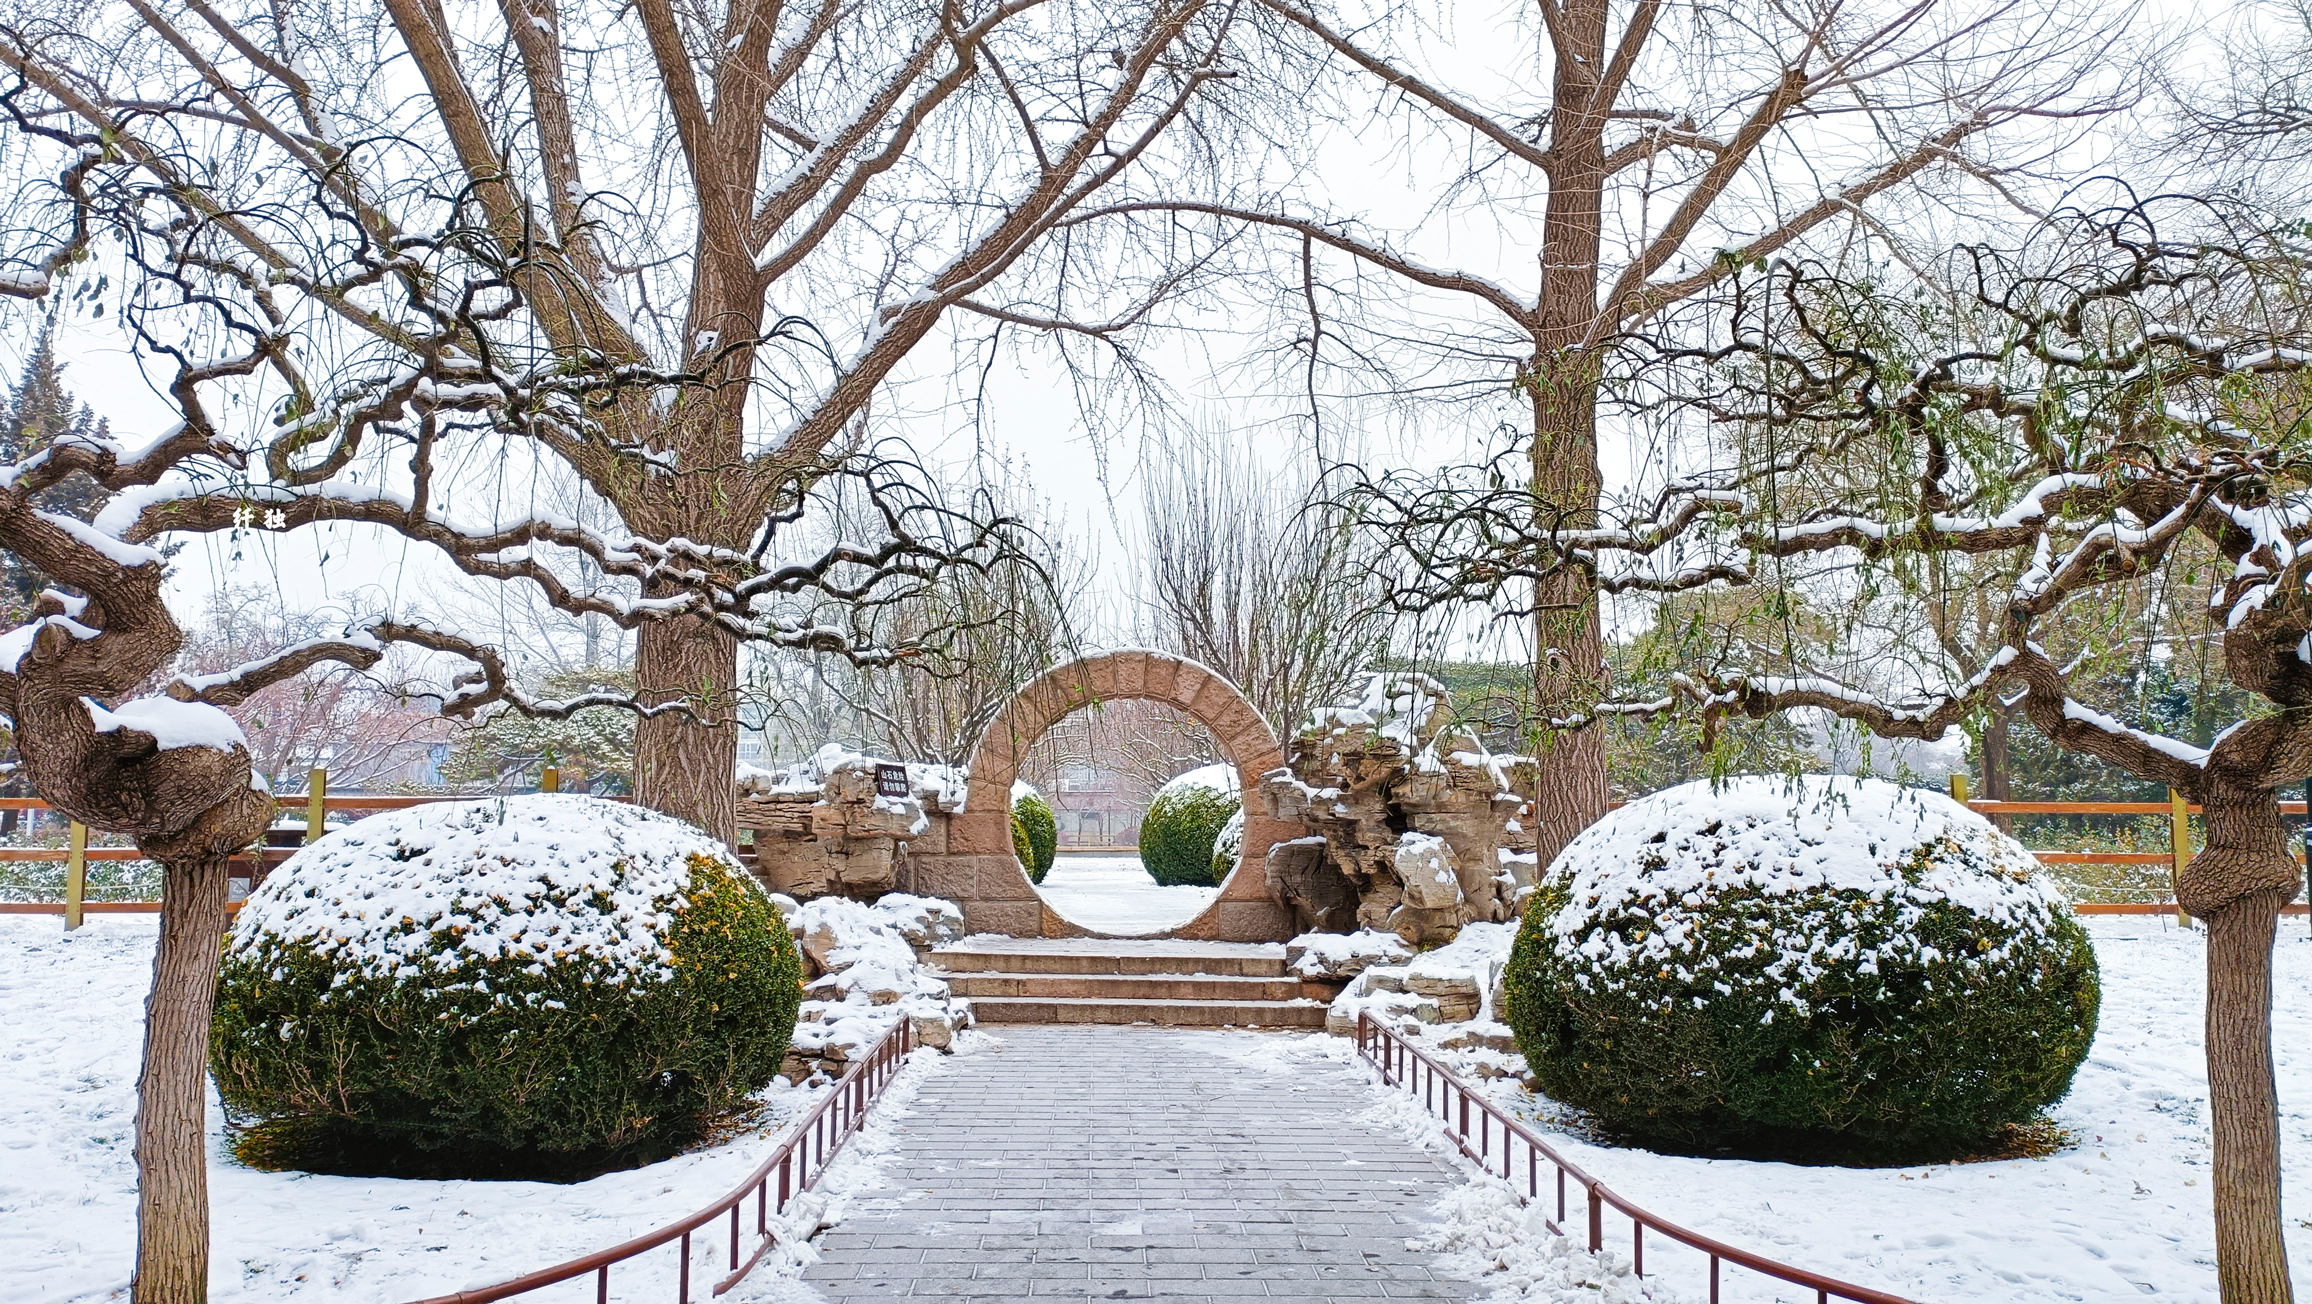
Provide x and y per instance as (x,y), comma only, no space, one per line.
(1447,1098)
(792,1169)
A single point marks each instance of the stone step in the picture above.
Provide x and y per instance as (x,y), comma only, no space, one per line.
(1147,987)
(1040,955)
(1183,1014)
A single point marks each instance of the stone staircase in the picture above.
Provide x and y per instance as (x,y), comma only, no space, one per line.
(1130,980)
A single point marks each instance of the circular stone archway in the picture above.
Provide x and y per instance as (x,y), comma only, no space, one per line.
(980,871)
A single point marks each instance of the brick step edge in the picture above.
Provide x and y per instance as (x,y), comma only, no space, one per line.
(1164,987)
(1193,1014)
(1030,962)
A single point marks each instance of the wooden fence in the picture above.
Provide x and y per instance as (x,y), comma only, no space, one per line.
(317,802)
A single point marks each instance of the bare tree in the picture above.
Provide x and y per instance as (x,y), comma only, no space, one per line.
(361,724)
(2112,420)
(1000,626)
(692,242)
(1255,572)
(1647,150)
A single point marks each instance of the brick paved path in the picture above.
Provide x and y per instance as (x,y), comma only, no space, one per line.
(1123,1163)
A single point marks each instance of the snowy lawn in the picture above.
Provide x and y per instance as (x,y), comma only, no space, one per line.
(2123,1213)
(68,1066)
(1115,895)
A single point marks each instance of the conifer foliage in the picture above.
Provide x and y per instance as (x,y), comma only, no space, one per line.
(40,412)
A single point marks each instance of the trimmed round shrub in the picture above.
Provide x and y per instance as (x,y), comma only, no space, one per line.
(1023,848)
(1184,822)
(534,986)
(1032,813)
(1827,967)
(1228,847)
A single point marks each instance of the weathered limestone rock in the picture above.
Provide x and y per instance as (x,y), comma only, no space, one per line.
(820,828)
(1421,825)
(1322,900)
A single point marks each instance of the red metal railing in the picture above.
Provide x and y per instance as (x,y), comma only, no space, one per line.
(1446,1098)
(791,1170)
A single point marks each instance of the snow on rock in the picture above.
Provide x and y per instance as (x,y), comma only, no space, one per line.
(403,895)
(1445,996)
(867,974)
(937,787)
(1338,957)
(1669,857)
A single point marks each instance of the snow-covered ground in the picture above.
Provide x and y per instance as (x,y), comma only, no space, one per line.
(1115,895)
(68,1066)
(2121,1214)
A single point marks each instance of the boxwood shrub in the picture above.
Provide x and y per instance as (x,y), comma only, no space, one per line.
(536,986)
(1819,967)
(1035,818)
(1183,823)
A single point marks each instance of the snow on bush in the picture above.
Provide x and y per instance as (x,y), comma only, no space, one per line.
(1183,824)
(1774,961)
(1228,846)
(868,961)
(536,976)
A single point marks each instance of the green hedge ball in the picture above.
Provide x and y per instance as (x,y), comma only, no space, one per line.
(1034,818)
(1182,825)
(504,983)
(1828,966)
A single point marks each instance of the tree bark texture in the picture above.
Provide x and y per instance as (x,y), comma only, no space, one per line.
(172,1153)
(1562,384)
(1998,761)
(2247,847)
(684,766)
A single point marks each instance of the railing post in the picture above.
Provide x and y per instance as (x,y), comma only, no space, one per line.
(2180,846)
(75,876)
(316,802)
(550,779)
(1597,1219)
(1959,787)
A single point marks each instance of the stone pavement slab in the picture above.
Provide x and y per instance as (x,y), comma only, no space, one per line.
(1088,1163)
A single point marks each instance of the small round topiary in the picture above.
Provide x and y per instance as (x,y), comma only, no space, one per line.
(1033,814)
(1184,821)
(1023,849)
(536,986)
(1832,967)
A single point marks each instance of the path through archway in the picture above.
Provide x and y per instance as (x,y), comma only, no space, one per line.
(977,869)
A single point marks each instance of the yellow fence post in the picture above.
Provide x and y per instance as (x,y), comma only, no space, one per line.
(75,876)
(550,779)
(2180,847)
(1959,788)
(316,801)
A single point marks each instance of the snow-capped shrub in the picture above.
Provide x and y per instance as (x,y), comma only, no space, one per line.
(1034,817)
(1228,847)
(1824,963)
(1184,821)
(509,984)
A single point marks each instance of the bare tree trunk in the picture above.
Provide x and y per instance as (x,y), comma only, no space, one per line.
(1562,382)
(683,767)
(2244,834)
(1998,758)
(1569,651)
(172,1152)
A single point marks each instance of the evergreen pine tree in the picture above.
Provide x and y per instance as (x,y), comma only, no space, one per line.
(40,410)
